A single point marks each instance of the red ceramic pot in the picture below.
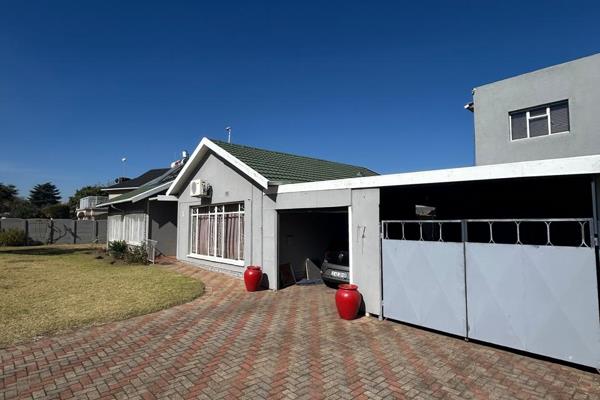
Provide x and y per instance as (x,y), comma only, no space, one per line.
(347,300)
(252,277)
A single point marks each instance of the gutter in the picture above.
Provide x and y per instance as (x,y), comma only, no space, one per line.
(137,197)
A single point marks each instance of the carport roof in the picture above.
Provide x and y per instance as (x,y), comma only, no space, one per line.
(584,165)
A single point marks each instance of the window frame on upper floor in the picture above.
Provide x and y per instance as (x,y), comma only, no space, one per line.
(547,114)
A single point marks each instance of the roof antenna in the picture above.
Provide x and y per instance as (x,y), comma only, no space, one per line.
(123,160)
(228,130)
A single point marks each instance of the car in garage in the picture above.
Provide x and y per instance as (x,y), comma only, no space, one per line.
(335,268)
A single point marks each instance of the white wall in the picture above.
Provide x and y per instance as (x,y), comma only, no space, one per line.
(365,248)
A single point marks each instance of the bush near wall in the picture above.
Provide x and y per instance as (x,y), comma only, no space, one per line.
(13,237)
(136,255)
(131,254)
(117,249)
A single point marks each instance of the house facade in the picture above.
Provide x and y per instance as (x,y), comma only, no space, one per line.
(136,216)
(544,114)
(236,224)
(502,255)
(457,271)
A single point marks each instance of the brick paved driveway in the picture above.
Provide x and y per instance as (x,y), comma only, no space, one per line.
(290,344)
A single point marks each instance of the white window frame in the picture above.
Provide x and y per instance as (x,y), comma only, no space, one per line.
(528,118)
(128,227)
(216,210)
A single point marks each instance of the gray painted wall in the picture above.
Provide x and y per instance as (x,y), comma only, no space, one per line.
(318,199)
(163,226)
(366,246)
(101,231)
(64,231)
(85,231)
(227,187)
(578,81)
(129,208)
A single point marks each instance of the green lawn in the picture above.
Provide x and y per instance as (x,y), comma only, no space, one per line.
(48,289)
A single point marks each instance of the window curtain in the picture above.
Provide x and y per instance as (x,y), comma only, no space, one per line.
(232,236)
(218,231)
(204,236)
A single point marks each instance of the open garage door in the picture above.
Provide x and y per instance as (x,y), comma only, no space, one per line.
(308,234)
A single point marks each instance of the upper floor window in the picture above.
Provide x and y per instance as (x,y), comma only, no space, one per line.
(540,121)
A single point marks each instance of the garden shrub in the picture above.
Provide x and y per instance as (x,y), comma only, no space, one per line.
(117,249)
(13,237)
(136,255)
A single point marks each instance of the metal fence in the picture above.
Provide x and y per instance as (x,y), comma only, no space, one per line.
(92,201)
(150,249)
(574,232)
(62,231)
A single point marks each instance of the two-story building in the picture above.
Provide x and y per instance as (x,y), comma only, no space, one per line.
(544,114)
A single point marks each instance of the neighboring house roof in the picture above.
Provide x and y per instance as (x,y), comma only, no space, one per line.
(138,181)
(152,187)
(267,167)
(583,165)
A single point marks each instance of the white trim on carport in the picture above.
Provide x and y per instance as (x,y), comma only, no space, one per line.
(526,169)
(203,147)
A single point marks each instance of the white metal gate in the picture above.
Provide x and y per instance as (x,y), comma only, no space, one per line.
(541,298)
(424,284)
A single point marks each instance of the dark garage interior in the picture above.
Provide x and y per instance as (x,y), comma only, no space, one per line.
(532,198)
(309,233)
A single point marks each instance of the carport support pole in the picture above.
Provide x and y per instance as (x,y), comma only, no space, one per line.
(465,238)
(380,318)
(594,237)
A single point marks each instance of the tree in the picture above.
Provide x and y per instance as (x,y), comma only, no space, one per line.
(56,211)
(21,208)
(8,194)
(81,193)
(44,194)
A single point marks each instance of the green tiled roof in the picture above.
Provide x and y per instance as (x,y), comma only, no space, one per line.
(289,168)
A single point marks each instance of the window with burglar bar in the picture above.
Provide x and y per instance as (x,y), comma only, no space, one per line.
(218,231)
(540,121)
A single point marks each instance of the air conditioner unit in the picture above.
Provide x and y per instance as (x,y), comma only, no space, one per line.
(199,188)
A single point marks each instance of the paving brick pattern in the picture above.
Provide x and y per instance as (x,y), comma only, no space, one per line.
(231,344)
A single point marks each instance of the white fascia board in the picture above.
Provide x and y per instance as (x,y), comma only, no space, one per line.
(205,145)
(162,197)
(583,165)
(121,188)
(150,192)
(138,197)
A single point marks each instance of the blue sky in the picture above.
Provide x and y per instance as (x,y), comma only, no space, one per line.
(379,84)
